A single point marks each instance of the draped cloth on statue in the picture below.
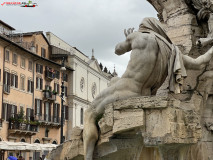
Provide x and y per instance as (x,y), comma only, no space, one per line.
(169,57)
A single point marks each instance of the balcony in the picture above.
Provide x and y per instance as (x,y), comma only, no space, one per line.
(46,120)
(23,128)
(6,88)
(49,74)
(49,95)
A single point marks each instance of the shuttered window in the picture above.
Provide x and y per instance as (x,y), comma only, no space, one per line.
(66,114)
(39,83)
(56,110)
(65,91)
(6,78)
(43,52)
(82,116)
(30,65)
(57,74)
(22,82)
(14,80)
(7,56)
(56,88)
(30,86)
(38,107)
(39,68)
(15,57)
(8,111)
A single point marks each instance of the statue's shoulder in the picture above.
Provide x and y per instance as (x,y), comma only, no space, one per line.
(141,36)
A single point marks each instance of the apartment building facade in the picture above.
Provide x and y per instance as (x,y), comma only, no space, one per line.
(30,83)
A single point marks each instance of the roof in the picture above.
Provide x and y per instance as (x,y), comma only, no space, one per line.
(67,43)
(7,25)
(80,51)
(32,33)
(33,54)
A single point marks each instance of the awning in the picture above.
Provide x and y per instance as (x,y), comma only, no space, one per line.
(6,145)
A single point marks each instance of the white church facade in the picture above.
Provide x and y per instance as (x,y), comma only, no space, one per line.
(85,83)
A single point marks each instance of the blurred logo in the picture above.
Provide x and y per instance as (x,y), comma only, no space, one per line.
(22,4)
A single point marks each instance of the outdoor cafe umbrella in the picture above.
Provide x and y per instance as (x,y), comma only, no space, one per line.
(5,145)
(12,158)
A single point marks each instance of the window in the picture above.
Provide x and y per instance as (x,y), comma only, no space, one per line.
(82,84)
(65,77)
(30,65)
(57,74)
(66,112)
(47,111)
(30,86)
(36,48)
(38,107)
(39,83)
(0,75)
(49,72)
(82,116)
(54,142)
(6,82)
(46,132)
(43,52)
(36,141)
(22,81)
(7,56)
(15,58)
(65,91)
(39,68)
(56,88)
(8,111)
(56,111)
(22,140)
(14,80)
(94,88)
(23,62)
(28,113)
(13,110)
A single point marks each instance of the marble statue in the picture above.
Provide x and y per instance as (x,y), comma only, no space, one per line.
(153,58)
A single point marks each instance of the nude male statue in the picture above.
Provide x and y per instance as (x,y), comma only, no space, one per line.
(153,58)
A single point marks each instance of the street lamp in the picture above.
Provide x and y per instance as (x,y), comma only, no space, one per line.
(62,99)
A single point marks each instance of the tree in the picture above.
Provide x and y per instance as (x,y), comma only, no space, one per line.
(101,66)
(105,70)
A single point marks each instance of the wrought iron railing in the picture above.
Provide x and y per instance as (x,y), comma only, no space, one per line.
(24,126)
(49,74)
(48,119)
(49,95)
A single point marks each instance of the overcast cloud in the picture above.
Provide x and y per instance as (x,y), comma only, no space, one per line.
(84,24)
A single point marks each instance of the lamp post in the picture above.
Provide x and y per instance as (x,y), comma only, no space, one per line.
(62,99)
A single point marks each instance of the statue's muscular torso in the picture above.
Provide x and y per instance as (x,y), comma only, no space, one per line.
(141,68)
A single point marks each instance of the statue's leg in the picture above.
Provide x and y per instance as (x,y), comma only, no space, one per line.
(90,134)
(109,95)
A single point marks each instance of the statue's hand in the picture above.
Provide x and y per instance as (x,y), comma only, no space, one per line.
(128,31)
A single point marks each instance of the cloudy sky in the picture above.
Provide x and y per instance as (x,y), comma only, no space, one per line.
(84,24)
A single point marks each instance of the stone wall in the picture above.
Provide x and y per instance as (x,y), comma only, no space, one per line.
(143,128)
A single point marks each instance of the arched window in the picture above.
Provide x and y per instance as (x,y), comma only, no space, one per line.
(82,116)
(54,142)
(23,140)
(36,141)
